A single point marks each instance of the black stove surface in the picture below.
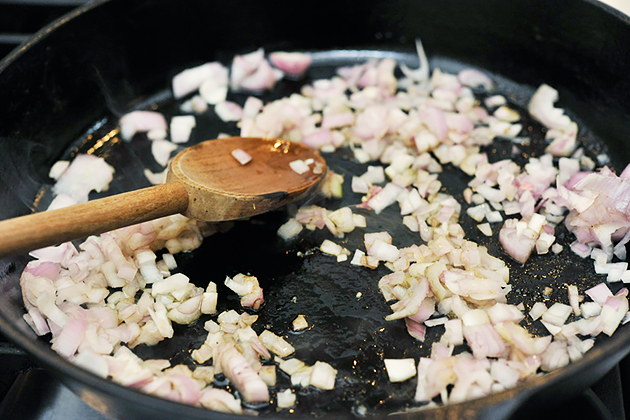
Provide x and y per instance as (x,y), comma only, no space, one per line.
(27,392)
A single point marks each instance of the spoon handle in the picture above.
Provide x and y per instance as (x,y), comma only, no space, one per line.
(47,228)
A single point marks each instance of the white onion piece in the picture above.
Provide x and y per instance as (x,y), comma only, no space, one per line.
(55,254)
(541,107)
(590,309)
(242,156)
(181,127)
(156,178)
(58,168)
(240,373)
(252,72)
(170,284)
(299,166)
(290,229)
(252,106)
(213,91)
(248,288)
(385,197)
(60,201)
(399,370)
(36,321)
(291,63)
(67,343)
(323,376)
(599,293)
(139,122)
(613,311)
(196,105)
(359,185)
(92,362)
(518,245)
(557,314)
(276,344)
(191,79)
(383,251)
(85,173)
(538,309)
(484,341)
(299,323)
(286,398)
(161,150)
(495,100)
(228,111)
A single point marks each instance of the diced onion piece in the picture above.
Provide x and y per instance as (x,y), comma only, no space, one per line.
(331,248)
(485,228)
(276,344)
(268,374)
(290,229)
(286,398)
(590,309)
(161,151)
(399,370)
(191,79)
(242,156)
(291,366)
(300,323)
(574,299)
(538,309)
(292,63)
(557,314)
(435,321)
(323,376)
(248,288)
(181,127)
(228,111)
(140,122)
(84,174)
(156,178)
(299,166)
(599,293)
(170,284)
(58,168)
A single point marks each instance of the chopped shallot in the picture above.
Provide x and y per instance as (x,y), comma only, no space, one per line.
(400,370)
(181,127)
(84,174)
(190,80)
(139,122)
(291,63)
(299,166)
(242,156)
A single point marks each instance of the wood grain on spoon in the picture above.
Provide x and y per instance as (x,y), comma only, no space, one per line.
(204,182)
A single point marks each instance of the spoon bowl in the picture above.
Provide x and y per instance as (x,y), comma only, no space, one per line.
(223,189)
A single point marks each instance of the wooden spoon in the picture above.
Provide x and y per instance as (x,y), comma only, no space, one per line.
(204,182)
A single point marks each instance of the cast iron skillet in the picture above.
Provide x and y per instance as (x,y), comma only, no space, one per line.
(65,89)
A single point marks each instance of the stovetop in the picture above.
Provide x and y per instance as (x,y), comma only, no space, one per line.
(28,392)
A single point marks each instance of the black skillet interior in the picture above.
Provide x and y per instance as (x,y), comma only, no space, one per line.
(65,92)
